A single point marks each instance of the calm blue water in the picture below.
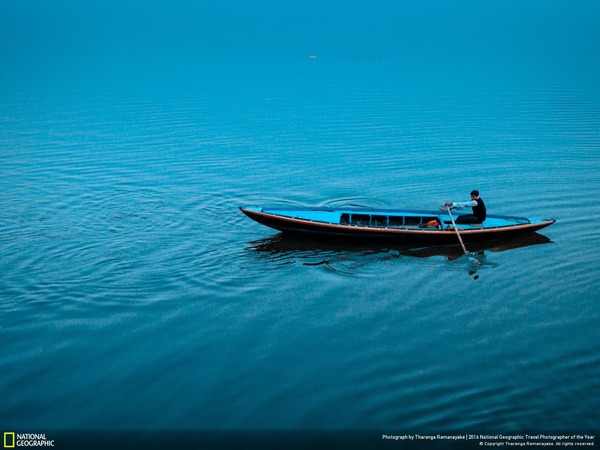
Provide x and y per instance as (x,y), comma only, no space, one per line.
(135,296)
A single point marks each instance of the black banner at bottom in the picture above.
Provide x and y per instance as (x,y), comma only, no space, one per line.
(292,440)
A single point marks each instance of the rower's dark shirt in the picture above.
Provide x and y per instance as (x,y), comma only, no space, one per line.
(479,210)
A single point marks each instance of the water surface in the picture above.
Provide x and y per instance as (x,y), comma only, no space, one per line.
(134,295)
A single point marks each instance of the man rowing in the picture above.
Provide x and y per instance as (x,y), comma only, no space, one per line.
(476,204)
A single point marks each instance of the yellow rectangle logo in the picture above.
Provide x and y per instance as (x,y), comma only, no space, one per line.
(9,440)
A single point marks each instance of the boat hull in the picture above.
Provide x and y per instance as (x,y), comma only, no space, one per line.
(302,222)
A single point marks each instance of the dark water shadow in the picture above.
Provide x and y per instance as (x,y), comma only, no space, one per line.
(282,249)
(282,244)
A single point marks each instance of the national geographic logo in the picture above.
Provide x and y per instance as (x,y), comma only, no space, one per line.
(9,440)
(13,440)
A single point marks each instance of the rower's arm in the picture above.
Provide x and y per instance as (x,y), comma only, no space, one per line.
(460,205)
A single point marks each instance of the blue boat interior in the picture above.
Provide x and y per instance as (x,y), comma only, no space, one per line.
(389,221)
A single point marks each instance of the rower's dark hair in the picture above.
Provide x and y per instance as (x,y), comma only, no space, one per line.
(475,193)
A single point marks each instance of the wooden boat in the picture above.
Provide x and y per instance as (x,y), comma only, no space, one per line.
(406,227)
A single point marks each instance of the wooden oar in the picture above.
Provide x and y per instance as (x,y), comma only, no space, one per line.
(459,237)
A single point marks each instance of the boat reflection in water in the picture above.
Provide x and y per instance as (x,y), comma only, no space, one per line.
(346,257)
